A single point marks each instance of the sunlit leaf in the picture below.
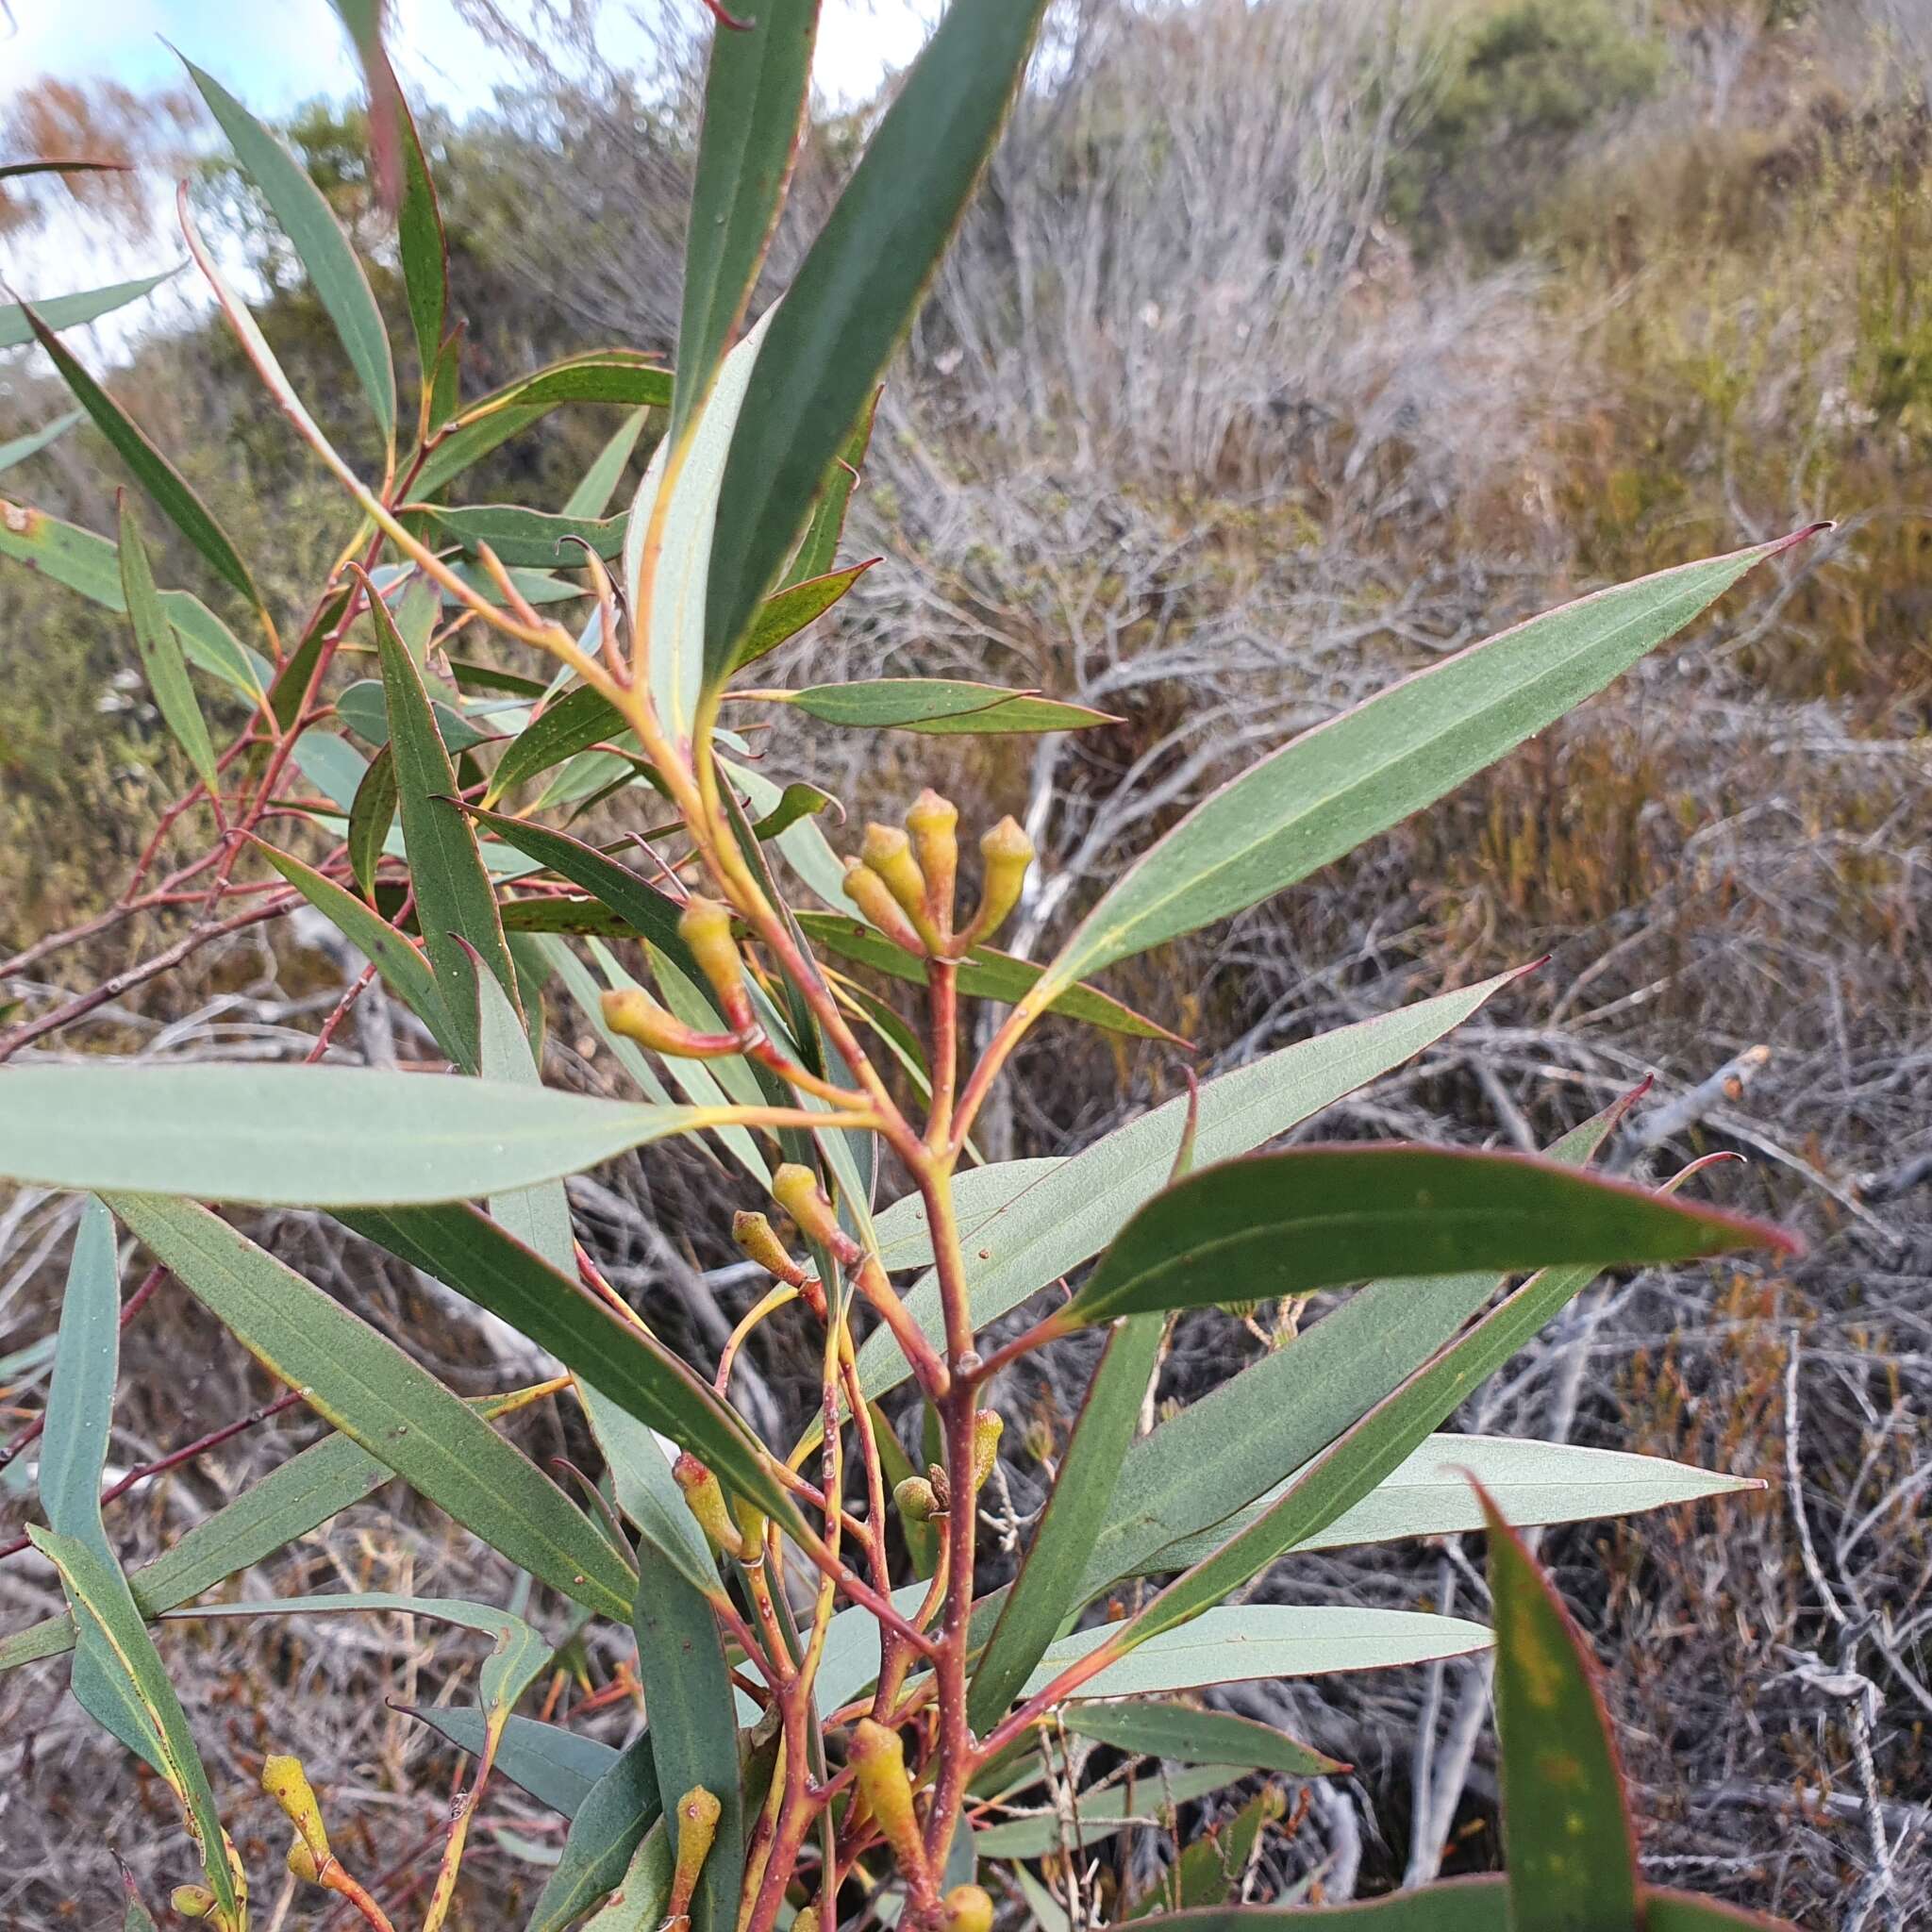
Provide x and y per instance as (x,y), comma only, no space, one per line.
(940,704)
(787,611)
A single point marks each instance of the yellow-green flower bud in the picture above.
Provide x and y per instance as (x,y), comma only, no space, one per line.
(192,1900)
(301,1863)
(697,1814)
(966,1909)
(796,1189)
(1007,852)
(866,891)
(888,852)
(705,927)
(988,1427)
(807,1919)
(631,1011)
(704,1496)
(933,823)
(283,1779)
(756,1236)
(915,1499)
(878,1760)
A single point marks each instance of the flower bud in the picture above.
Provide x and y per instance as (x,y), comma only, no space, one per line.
(888,852)
(301,1863)
(704,1496)
(697,1813)
(705,927)
(755,1235)
(192,1900)
(807,1919)
(284,1780)
(966,1909)
(988,1427)
(878,1760)
(866,891)
(932,822)
(634,1013)
(796,1189)
(1007,852)
(916,1500)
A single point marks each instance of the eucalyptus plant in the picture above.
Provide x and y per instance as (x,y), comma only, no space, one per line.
(841,1725)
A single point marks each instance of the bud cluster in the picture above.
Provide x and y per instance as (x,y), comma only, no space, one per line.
(906,877)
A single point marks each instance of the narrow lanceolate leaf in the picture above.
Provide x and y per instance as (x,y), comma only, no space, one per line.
(294,1498)
(1320,1217)
(598,485)
(606,1829)
(984,974)
(370,1391)
(98,1597)
(319,243)
(852,299)
(1261,1426)
(1065,1214)
(1329,790)
(161,652)
(627,1365)
(693,1729)
(371,815)
(70,311)
(1045,1590)
(787,611)
(150,468)
(1456,1905)
(313,1137)
(89,565)
(1568,1848)
(419,219)
(1429,1493)
(455,902)
(1102,1813)
(755,89)
(644,1890)
(567,725)
(531,537)
(1186,1736)
(1236,1645)
(557,1767)
(21,447)
(404,969)
(818,550)
(940,705)
(647,911)
(1214,1864)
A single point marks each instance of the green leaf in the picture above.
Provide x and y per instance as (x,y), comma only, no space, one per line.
(1214,1864)
(592,497)
(160,653)
(1569,1849)
(70,311)
(1682,1912)
(1238,1643)
(290,693)
(1102,1813)
(35,441)
(787,611)
(637,1903)
(294,1498)
(371,813)
(670,617)
(150,468)
(370,1391)
(89,564)
(319,243)
(531,537)
(694,1727)
(364,709)
(819,550)
(1183,1735)
(1428,1495)
(404,969)
(455,905)
(606,376)
(98,1596)
(1044,1594)
(138,1918)
(646,1492)
(940,705)
(307,1136)
(852,299)
(625,1363)
(797,801)
(984,974)
(420,238)
(557,1767)
(1330,790)
(563,728)
(647,911)
(1321,1217)
(80,1398)
(1459,1905)
(756,87)
(606,1828)
(1058,1217)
